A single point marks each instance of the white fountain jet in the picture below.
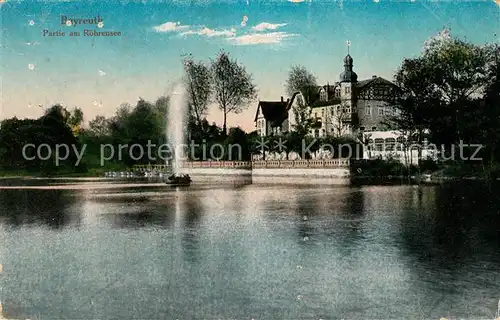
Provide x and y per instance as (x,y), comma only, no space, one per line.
(176,125)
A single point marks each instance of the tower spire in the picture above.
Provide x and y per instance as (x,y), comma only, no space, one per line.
(348,43)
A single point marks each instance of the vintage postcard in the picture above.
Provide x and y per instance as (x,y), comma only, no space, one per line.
(250,159)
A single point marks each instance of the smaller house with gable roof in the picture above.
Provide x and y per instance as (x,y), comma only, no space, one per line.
(272,117)
(346,107)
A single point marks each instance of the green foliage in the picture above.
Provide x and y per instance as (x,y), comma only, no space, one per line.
(75,118)
(381,168)
(451,94)
(233,86)
(18,136)
(448,94)
(198,81)
(99,126)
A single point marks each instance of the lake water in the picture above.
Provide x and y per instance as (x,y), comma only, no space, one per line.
(233,249)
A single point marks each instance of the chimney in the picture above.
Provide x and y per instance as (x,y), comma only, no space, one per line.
(281,98)
(374,76)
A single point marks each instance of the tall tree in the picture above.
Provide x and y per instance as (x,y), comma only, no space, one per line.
(198,82)
(458,76)
(417,101)
(233,86)
(440,89)
(301,80)
(488,122)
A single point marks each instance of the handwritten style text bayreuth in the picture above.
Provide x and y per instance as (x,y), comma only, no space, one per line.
(78,21)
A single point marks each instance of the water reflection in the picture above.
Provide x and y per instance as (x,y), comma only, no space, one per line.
(143,215)
(451,234)
(193,210)
(350,227)
(453,225)
(53,208)
(307,208)
(269,251)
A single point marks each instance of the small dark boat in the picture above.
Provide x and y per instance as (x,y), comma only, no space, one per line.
(179,180)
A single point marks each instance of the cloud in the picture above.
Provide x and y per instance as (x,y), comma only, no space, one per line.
(261,38)
(211,32)
(170,27)
(267,26)
(102,73)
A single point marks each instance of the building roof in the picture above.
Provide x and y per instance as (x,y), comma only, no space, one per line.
(374,80)
(275,111)
(321,103)
(348,75)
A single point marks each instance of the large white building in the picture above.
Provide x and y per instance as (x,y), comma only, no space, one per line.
(346,107)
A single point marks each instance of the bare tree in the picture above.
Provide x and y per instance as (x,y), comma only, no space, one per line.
(301,80)
(99,126)
(198,83)
(233,86)
(338,119)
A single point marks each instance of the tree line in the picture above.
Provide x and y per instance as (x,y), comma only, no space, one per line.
(449,94)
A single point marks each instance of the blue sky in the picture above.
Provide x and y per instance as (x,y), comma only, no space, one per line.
(97,74)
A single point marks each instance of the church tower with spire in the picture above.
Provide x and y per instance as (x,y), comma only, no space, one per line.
(348,80)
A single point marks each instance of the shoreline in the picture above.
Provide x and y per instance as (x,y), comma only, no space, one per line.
(352,179)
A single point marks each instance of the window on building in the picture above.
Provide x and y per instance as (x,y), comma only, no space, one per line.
(390,144)
(362,128)
(337,92)
(346,110)
(347,90)
(380,111)
(379,144)
(316,133)
(322,95)
(368,110)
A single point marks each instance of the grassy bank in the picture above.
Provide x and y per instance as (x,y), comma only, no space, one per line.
(63,172)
